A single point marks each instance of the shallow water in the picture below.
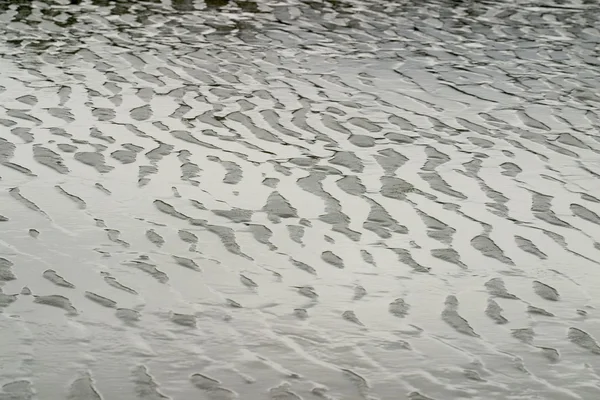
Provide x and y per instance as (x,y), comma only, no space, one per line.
(299,200)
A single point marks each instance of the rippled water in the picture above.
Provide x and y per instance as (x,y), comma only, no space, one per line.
(300,199)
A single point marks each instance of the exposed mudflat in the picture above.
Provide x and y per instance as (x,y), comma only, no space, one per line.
(299,200)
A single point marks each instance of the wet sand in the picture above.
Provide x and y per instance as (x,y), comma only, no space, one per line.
(299,200)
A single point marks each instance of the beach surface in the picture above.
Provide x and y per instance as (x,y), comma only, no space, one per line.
(297,200)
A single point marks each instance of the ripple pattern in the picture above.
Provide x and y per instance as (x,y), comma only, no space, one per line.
(347,199)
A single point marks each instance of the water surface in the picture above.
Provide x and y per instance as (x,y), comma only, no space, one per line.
(299,200)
